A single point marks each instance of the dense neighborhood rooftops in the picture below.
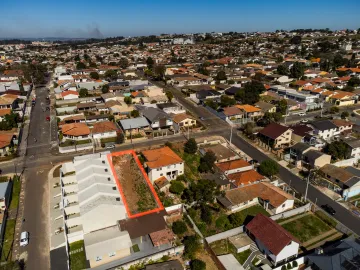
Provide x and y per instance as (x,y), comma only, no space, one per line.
(336,172)
(248,108)
(160,157)
(323,125)
(300,147)
(300,129)
(272,235)
(342,123)
(274,130)
(220,151)
(233,110)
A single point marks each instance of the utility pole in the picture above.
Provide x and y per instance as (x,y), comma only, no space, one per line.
(231,132)
(322,107)
(307,185)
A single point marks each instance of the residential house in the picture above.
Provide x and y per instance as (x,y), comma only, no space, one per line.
(250,112)
(266,107)
(233,113)
(75,131)
(276,135)
(134,125)
(345,182)
(8,101)
(314,159)
(156,117)
(325,129)
(277,244)
(231,91)
(299,131)
(66,95)
(86,106)
(353,147)
(4,112)
(221,152)
(343,254)
(245,178)
(233,166)
(6,143)
(343,126)
(202,95)
(272,198)
(104,129)
(171,108)
(184,120)
(163,162)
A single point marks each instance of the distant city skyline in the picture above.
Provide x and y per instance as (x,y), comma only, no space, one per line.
(97,19)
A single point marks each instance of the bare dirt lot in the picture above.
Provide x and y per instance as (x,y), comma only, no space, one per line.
(139,197)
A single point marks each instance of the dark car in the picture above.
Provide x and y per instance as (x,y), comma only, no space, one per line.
(328,209)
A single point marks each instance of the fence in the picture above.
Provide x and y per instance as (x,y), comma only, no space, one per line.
(152,257)
(73,148)
(72,101)
(224,235)
(292,212)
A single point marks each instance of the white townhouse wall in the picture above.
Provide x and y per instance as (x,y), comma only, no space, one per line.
(287,252)
(287,205)
(108,134)
(326,134)
(156,124)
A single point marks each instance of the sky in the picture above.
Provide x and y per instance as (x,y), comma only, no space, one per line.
(95,18)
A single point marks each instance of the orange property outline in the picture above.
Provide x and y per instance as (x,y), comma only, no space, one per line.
(132,152)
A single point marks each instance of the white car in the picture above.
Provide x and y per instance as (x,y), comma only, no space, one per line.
(24,239)
(304,121)
(302,114)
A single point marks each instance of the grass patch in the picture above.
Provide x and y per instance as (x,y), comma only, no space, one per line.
(4,179)
(78,260)
(252,211)
(191,162)
(306,227)
(322,239)
(15,196)
(328,220)
(136,248)
(255,260)
(107,140)
(8,240)
(242,256)
(285,219)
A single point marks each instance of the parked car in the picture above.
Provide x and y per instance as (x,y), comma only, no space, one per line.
(328,209)
(24,239)
(111,146)
(304,121)
(302,114)
(47,118)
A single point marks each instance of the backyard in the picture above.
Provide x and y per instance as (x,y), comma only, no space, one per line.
(192,161)
(77,256)
(8,240)
(306,227)
(223,246)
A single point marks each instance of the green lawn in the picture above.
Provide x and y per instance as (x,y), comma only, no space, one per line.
(4,179)
(252,211)
(56,172)
(78,260)
(8,240)
(324,217)
(15,193)
(306,227)
(242,256)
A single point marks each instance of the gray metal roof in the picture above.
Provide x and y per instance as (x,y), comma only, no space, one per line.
(3,189)
(323,125)
(132,123)
(153,114)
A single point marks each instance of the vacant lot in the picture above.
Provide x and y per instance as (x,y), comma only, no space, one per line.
(139,197)
(306,227)
(77,256)
(251,211)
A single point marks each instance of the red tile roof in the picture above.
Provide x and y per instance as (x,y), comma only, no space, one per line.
(268,232)
(160,157)
(244,178)
(233,164)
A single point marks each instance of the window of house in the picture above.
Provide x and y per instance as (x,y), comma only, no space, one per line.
(283,205)
(106,170)
(114,188)
(98,258)
(112,254)
(161,174)
(109,178)
(168,167)
(118,199)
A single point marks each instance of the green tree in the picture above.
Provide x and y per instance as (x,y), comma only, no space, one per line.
(201,191)
(344,115)
(77,58)
(207,161)
(282,106)
(135,113)
(354,82)
(297,70)
(169,95)
(159,71)
(202,70)
(211,103)
(334,110)
(223,223)
(226,101)
(295,264)
(110,74)
(288,266)
(83,92)
(248,128)
(269,168)
(176,187)
(282,70)
(337,150)
(128,100)
(220,76)
(236,219)
(339,61)
(179,227)
(94,75)
(190,146)
(206,214)
(111,118)
(197,265)
(124,62)
(80,65)
(150,62)
(120,138)
(105,89)
(250,94)
(192,245)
